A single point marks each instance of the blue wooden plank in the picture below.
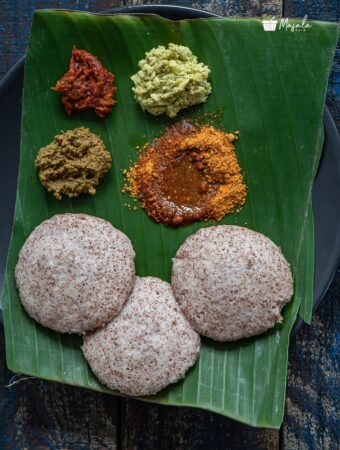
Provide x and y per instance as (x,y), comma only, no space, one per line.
(312,409)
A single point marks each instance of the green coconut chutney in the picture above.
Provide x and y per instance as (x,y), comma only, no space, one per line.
(170,79)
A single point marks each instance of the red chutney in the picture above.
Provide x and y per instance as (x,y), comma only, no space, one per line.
(86,85)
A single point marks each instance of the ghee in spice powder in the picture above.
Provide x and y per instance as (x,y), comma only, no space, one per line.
(190,173)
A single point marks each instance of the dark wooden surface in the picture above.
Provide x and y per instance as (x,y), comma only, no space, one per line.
(36,414)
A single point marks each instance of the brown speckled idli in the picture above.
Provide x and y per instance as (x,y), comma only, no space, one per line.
(75,272)
(148,346)
(231,282)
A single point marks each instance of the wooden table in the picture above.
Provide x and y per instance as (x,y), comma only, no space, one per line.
(36,414)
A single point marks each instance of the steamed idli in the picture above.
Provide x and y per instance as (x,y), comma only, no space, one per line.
(75,272)
(148,346)
(231,282)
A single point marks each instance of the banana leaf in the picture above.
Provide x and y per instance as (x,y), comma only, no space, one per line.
(268,85)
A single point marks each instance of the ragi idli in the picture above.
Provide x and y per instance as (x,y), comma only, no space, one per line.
(75,272)
(231,282)
(148,346)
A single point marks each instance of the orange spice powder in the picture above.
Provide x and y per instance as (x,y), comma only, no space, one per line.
(190,173)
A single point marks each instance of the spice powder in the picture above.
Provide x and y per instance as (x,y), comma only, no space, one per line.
(190,173)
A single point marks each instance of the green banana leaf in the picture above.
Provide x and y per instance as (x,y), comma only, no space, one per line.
(268,85)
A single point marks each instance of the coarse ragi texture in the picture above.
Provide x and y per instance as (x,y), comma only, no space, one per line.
(148,346)
(75,272)
(86,85)
(170,79)
(73,163)
(231,282)
(190,173)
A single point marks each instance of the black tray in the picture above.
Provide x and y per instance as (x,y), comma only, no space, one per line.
(326,189)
